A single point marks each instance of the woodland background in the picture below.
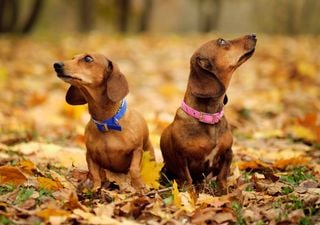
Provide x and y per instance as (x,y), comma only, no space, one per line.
(273,109)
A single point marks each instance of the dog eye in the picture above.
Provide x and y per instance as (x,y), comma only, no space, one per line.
(88,58)
(221,42)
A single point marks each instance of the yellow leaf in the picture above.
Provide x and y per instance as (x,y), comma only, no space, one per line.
(298,131)
(49,184)
(307,69)
(27,166)
(74,112)
(176,194)
(47,213)
(11,175)
(150,171)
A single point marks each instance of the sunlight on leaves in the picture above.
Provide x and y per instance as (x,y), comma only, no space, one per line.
(150,171)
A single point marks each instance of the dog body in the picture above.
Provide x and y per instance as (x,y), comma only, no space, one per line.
(194,148)
(119,147)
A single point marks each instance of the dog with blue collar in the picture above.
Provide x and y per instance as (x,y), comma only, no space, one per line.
(116,135)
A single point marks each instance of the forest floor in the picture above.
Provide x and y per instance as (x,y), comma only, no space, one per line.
(273,109)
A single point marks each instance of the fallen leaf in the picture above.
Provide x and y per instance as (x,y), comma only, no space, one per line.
(295,161)
(27,166)
(176,197)
(73,203)
(254,164)
(150,171)
(47,213)
(11,175)
(49,184)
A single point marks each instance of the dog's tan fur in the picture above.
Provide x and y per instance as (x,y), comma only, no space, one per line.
(101,84)
(192,149)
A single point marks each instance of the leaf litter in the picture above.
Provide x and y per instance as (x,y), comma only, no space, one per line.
(273,110)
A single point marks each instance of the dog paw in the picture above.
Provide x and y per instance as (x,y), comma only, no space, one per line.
(89,184)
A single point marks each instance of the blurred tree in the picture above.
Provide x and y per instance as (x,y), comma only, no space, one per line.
(124,10)
(8,15)
(10,11)
(33,16)
(287,16)
(208,14)
(86,15)
(146,14)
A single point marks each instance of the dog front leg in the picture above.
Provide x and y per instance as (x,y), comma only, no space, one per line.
(135,169)
(94,172)
(226,160)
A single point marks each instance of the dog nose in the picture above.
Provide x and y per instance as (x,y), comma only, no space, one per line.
(252,36)
(58,66)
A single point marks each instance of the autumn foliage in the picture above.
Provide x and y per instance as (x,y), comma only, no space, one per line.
(273,109)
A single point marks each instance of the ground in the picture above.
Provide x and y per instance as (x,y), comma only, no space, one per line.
(273,109)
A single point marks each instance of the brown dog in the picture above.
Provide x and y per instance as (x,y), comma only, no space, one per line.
(115,137)
(198,142)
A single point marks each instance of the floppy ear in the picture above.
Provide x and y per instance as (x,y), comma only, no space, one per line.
(117,85)
(203,81)
(74,96)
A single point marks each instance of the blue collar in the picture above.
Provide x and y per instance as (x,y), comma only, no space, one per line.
(113,122)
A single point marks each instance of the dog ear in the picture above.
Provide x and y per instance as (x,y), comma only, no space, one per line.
(117,85)
(203,81)
(74,96)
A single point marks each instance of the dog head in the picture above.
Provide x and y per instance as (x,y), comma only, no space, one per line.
(214,62)
(89,72)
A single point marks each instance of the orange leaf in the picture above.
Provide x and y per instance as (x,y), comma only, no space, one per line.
(27,166)
(11,175)
(253,164)
(295,161)
(47,213)
(49,184)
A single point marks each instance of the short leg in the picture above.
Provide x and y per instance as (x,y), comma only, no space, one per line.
(226,160)
(94,172)
(135,169)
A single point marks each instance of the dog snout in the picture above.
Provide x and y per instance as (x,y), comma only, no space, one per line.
(58,67)
(252,37)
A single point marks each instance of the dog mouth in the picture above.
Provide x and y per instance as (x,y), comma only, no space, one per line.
(246,56)
(67,77)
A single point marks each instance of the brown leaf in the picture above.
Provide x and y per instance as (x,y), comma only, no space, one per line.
(73,203)
(11,175)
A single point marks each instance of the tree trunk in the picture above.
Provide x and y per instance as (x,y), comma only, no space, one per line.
(8,15)
(123,15)
(86,15)
(145,17)
(33,16)
(209,13)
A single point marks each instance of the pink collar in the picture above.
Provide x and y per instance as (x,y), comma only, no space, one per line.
(202,116)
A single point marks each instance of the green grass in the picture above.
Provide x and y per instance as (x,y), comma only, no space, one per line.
(286,190)
(5,221)
(23,195)
(6,188)
(237,208)
(297,175)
